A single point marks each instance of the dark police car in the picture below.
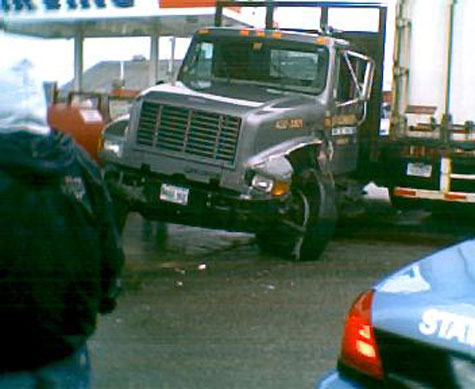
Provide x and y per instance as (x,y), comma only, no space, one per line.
(414,329)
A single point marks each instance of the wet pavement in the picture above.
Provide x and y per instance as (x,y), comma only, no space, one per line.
(205,309)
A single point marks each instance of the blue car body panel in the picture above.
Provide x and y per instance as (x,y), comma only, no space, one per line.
(431,302)
(335,380)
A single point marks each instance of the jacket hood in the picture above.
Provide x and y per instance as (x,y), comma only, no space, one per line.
(22,100)
(33,154)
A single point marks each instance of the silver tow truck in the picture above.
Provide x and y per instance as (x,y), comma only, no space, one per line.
(268,131)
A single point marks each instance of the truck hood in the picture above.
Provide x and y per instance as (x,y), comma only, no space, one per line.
(432,300)
(226,98)
(259,109)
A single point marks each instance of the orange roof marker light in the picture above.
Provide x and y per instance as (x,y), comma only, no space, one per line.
(245,32)
(203,31)
(277,35)
(322,40)
(260,34)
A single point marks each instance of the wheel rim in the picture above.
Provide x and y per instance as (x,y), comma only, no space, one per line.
(300,216)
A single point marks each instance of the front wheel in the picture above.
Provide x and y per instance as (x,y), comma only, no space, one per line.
(308,225)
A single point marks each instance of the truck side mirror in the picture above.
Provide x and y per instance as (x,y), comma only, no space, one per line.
(355,79)
(368,81)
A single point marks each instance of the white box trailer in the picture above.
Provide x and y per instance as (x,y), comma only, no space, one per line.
(429,157)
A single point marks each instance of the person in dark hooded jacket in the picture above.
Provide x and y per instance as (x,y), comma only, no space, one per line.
(60,257)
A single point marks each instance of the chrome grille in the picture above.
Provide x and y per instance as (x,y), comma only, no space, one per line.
(194,132)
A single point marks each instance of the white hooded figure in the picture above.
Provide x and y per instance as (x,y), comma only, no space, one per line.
(60,256)
(22,100)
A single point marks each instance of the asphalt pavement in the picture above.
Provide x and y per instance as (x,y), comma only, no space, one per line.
(205,309)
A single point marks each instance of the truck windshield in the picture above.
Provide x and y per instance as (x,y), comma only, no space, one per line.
(277,64)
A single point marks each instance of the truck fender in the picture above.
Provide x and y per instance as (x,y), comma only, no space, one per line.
(277,161)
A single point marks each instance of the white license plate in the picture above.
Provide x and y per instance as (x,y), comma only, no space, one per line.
(419,170)
(174,194)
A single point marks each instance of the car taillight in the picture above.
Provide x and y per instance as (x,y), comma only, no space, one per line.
(359,349)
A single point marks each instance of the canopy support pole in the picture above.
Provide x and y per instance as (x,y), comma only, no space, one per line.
(171,68)
(154,59)
(78,61)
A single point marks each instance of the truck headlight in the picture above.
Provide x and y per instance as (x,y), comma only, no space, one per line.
(270,185)
(262,183)
(114,146)
(269,173)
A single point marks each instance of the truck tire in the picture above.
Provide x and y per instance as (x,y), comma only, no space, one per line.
(308,226)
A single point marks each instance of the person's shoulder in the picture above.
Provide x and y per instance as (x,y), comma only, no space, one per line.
(81,155)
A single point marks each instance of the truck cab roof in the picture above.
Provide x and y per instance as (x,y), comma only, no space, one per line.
(284,34)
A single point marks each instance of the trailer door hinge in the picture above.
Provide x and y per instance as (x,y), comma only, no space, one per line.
(400,71)
(402,23)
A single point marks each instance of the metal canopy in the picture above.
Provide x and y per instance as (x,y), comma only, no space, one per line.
(271,5)
(144,19)
(165,22)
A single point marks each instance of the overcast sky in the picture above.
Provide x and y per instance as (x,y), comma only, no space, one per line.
(54,58)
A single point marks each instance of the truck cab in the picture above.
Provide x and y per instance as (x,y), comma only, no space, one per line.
(260,132)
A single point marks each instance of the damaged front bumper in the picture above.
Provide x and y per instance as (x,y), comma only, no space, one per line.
(179,201)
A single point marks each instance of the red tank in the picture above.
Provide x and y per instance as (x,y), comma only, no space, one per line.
(84,115)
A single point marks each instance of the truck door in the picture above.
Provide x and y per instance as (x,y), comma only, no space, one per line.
(354,76)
